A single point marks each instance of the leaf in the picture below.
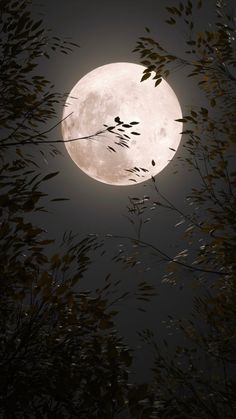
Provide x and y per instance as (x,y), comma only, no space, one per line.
(171,21)
(145,76)
(158,82)
(111,148)
(59,199)
(50,176)
(36,25)
(204,111)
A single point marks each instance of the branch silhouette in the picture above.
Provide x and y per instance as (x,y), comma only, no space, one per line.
(168,258)
(123,138)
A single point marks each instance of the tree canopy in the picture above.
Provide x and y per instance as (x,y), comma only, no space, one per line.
(61,355)
(199,380)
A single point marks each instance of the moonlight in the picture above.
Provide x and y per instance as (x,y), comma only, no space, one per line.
(121,157)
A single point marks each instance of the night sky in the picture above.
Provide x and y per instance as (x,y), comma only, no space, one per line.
(107,31)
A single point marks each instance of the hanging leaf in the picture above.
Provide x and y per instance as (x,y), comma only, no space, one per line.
(158,82)
(50,176)
(145,76)
(59,199)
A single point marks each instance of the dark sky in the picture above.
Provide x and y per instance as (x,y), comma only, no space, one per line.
(107,31)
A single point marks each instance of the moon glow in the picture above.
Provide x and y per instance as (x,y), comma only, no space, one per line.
(115,90)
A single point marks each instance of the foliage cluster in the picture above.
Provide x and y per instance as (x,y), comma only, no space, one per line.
(60,352)
(199,380)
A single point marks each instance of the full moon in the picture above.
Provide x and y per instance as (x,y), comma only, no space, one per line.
(119,130)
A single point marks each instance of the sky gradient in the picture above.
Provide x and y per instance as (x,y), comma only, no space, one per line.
(107,32)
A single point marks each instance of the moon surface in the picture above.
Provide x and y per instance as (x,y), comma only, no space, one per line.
(118,157)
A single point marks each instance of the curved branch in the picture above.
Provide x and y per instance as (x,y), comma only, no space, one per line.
(169,258)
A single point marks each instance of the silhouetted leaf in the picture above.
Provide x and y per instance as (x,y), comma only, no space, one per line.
(145,76)
(158,81)
(111,149)
(49,176)
(59,199)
